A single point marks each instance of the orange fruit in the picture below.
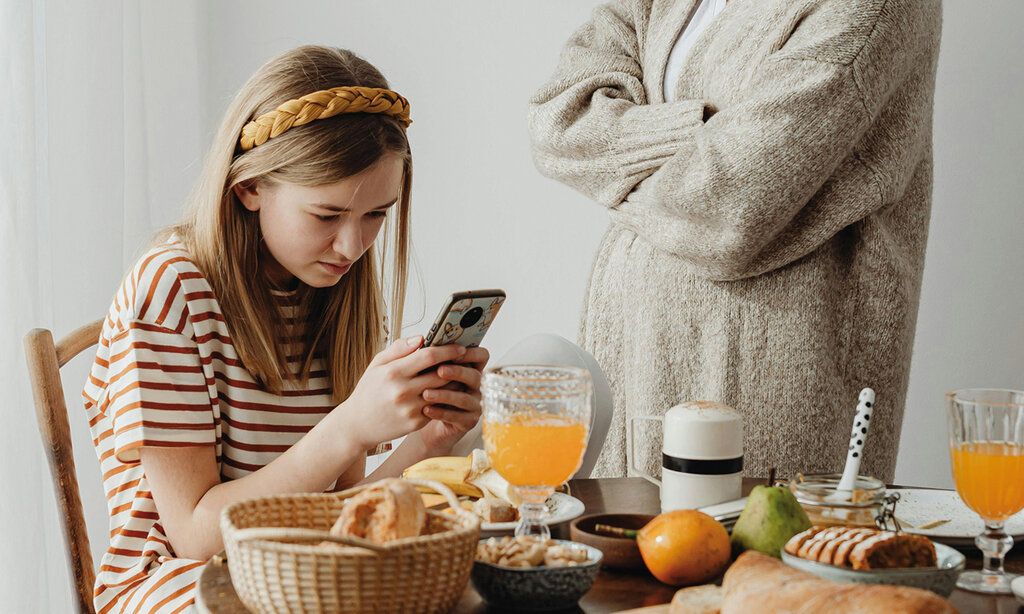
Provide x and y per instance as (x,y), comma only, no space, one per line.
(684,547)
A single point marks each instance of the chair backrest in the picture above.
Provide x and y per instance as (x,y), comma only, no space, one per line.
(44,362)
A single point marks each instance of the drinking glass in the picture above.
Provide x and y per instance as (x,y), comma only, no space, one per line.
(536,425)
(986,443)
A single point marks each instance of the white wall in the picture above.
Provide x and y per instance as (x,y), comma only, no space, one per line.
(483,216)
(970,328)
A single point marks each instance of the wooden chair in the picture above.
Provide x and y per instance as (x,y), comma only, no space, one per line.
(44,362)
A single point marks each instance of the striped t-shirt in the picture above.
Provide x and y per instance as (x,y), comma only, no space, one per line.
(167,374)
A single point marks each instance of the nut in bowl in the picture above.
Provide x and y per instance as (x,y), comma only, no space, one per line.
(527,574)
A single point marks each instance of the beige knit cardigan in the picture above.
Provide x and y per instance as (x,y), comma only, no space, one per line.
(768,227)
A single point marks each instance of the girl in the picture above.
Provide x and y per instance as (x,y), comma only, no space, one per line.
(767,169)
(240,355)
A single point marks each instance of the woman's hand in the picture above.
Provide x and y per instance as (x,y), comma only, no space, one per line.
(388,401)
(454,409)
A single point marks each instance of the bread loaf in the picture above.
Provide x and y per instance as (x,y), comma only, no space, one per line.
(388,510)
(761,583)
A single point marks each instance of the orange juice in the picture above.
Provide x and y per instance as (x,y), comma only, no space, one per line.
(531,450)
(990,478)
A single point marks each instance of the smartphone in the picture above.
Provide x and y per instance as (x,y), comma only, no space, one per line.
(465,318)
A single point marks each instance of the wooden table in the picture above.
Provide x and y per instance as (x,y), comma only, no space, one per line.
(612,591)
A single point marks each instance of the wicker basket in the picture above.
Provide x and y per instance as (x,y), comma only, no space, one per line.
(275,569)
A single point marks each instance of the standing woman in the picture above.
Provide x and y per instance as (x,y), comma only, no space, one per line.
(769,184)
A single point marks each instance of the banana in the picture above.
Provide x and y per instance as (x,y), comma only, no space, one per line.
(488,480)
(479,463)
(452,471)
(496,486)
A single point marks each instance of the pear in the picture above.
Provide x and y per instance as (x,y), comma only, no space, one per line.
(772,515)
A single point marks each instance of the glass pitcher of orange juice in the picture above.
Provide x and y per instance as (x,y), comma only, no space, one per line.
(536,425)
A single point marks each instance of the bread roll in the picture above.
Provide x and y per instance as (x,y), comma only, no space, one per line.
(893,551)
(761,583)
(494,510)
(704,599)
(387,510)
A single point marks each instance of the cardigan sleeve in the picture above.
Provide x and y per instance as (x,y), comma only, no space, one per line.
(748,177)
(738,192)
(590,125)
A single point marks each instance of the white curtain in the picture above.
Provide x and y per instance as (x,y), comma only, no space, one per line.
(102,131)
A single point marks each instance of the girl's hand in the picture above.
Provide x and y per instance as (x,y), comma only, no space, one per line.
(388,400)
(454,409)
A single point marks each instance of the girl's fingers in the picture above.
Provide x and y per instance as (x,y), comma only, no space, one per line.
(463,419)
(398,349)
(421,422)
(476,358)
(465,375)
(454,398)
(430,379)
(427,358)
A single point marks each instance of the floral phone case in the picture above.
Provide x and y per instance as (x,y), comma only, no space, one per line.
(465,318)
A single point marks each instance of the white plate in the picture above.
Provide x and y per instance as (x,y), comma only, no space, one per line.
(940,579)
(919,506)
(561,508)
(1017,586)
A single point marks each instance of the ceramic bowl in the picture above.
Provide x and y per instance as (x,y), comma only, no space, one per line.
(538,588)
(941,580)
(619,552)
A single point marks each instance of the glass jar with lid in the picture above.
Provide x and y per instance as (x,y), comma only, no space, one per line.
(865,506)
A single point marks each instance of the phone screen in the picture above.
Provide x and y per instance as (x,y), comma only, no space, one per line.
(465,318)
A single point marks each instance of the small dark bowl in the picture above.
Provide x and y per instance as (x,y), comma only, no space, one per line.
(619,552)
(535,589)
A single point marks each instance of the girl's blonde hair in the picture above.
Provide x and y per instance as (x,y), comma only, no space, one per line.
(346,322)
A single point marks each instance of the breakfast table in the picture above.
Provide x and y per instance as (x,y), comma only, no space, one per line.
(612,591)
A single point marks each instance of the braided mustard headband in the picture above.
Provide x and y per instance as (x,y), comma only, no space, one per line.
(321,105)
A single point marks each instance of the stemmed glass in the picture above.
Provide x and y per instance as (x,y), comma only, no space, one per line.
(536,425)
(986,442)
